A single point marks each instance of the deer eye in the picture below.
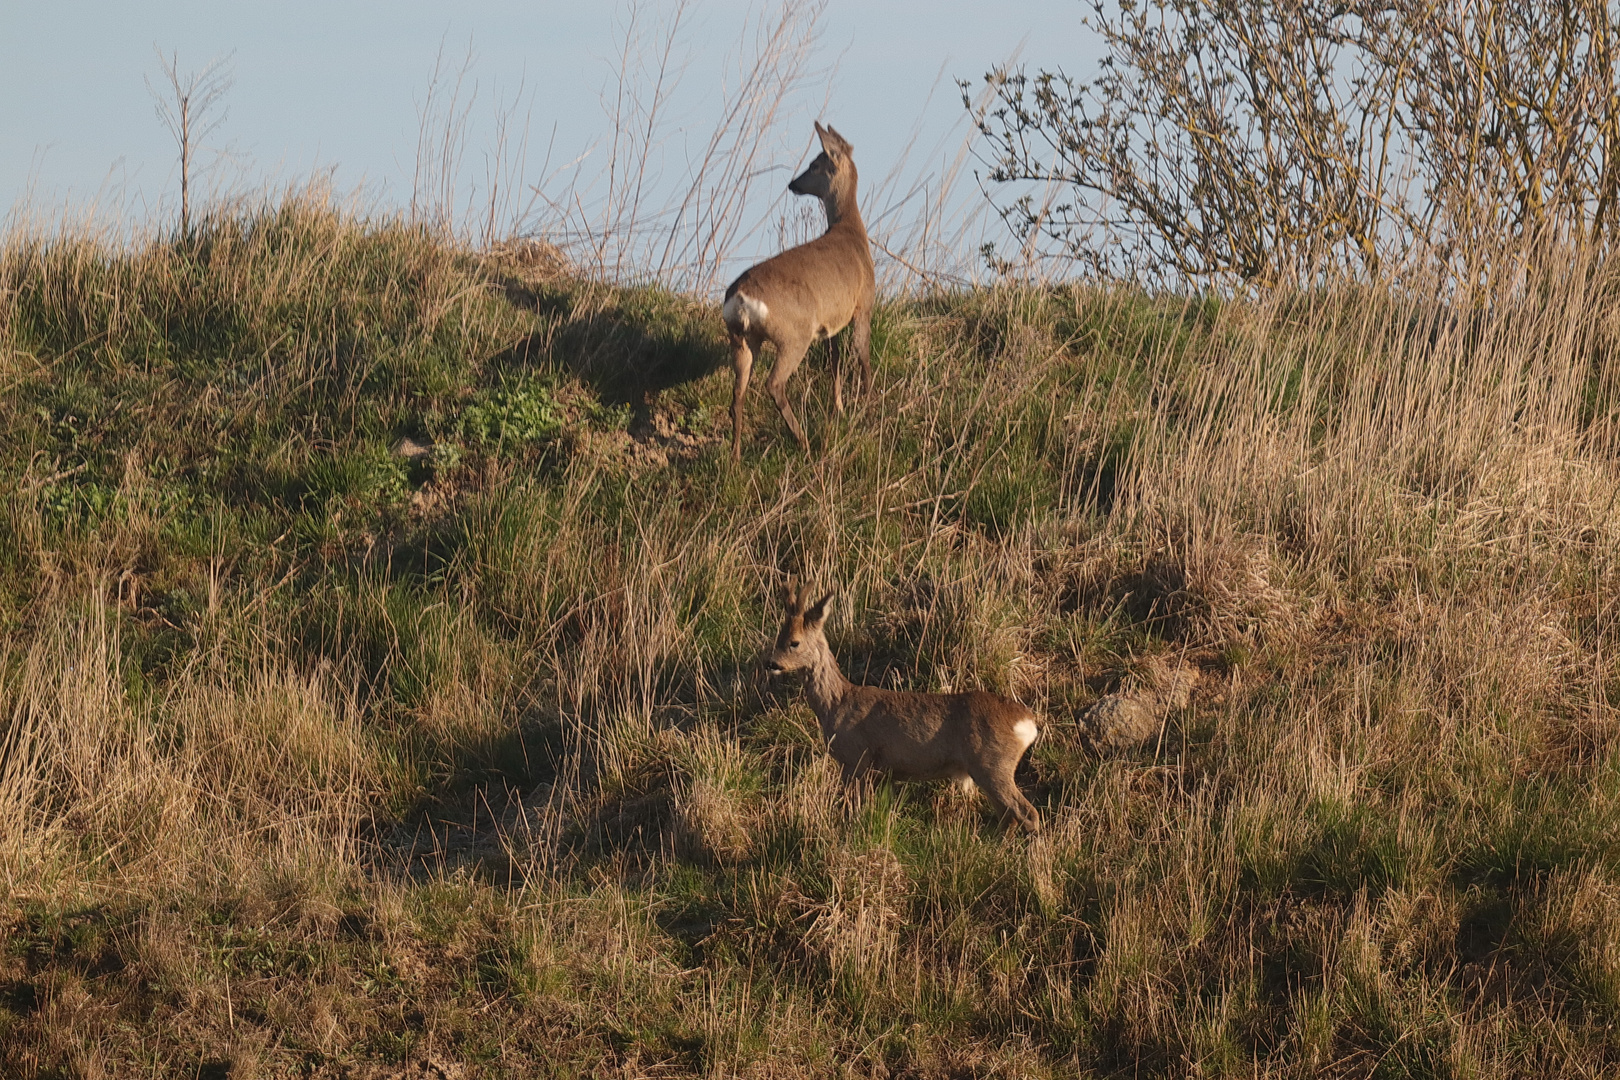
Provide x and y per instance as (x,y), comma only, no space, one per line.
(793,644)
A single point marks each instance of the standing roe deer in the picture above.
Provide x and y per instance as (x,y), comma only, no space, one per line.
(807,292)
(974,738)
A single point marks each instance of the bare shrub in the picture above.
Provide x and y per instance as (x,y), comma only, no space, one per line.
(192,113)
(1234,141)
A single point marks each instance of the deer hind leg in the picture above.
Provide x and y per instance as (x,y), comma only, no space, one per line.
(861,341)
(789,355)
(742,361)
(1003,791)
(835,351)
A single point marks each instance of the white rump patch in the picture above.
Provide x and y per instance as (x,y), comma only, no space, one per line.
(743,313)
(965,784)
(1026,730)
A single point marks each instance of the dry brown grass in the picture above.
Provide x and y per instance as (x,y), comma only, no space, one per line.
(297,779)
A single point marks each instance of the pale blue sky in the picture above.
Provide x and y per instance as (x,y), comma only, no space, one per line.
(337,84)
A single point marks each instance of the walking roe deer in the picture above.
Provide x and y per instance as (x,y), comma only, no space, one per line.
(807,292)
(976,738)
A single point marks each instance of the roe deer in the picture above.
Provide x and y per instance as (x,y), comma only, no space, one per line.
(807,292)
(974,738)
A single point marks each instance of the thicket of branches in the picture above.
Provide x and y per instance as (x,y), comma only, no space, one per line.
(1264,142)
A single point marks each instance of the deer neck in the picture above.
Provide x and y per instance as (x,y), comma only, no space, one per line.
(825,686)
(842,210)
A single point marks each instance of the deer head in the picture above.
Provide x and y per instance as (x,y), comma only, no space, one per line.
(801,644)
(831,176)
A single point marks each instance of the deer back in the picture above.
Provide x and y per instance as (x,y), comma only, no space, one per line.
(816,287)
(919,736)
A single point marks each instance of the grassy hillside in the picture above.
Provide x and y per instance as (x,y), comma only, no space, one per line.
(324,759)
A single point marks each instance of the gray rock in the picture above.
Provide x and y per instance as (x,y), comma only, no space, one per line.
(1120,721)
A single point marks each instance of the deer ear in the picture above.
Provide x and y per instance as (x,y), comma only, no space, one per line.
(790,596)
(834,143)
(817,613)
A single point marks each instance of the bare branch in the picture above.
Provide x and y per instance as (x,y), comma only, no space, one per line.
(190,109)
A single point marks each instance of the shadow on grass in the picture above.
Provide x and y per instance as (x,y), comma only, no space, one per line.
(488,790)
(625,344)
